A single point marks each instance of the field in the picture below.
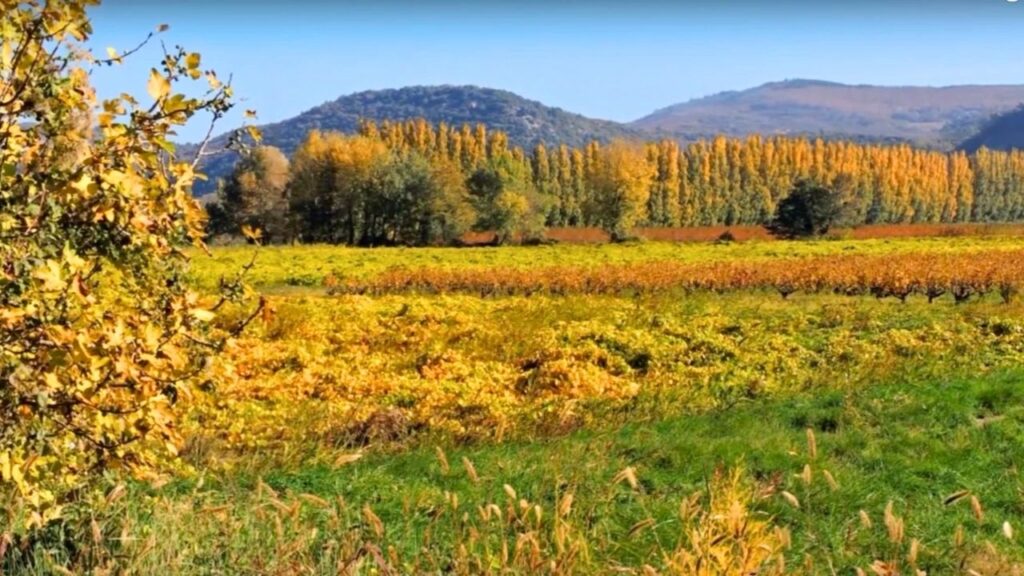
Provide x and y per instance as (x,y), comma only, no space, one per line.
(483,410)
(744,233)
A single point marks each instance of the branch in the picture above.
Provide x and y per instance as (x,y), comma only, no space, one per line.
(200,152)
(22,48)
(118,59)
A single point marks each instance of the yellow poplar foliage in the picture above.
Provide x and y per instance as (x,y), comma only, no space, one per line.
(738,180)
(621,181)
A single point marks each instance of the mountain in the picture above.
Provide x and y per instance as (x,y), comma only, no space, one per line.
(526,122)
(924,116)
(936,117)
(1002,132)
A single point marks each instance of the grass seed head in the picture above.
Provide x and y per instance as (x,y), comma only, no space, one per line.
(565,507)
(470,470)
(976,509)
(830,480)
(789,497)
(442,459)
(628,474)
(893,524)
(865,520)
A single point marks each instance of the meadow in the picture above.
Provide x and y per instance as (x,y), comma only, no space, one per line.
(663,429)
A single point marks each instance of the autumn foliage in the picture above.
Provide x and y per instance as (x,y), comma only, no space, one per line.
(900,275)
(99,332)
(358,189)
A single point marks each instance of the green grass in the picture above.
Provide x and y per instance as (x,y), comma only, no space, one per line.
(913,439)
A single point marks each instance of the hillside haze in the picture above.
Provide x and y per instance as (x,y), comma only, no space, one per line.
(927,116)
(1004,132)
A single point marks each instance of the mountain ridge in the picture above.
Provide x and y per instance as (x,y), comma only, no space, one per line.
(527,122)
(931,116)
(942,117)
(1003,132)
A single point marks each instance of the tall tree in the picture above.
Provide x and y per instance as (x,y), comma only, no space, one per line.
(255,194)
(621,181)
(329,176)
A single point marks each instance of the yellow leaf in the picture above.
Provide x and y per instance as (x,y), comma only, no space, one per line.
(5,466)
(158,86)
(192,60)
(85,185)
(203,315)
(112,53)
(50,275)
(251,233)
(254,133)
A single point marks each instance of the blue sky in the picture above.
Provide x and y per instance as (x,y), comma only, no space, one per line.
(604,59)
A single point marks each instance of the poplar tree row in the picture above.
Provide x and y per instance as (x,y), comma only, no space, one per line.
(416,183)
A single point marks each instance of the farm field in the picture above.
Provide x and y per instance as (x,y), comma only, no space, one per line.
(748,232)
(447,329)
(280,268)
(404,430)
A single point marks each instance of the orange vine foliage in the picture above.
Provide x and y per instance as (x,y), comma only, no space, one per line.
(928,274)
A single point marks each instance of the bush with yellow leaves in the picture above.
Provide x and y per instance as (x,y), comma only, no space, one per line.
(99,332)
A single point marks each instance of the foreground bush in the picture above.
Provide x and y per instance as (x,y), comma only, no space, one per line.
(99,335)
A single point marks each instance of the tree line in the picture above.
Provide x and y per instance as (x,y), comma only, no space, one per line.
(415,183)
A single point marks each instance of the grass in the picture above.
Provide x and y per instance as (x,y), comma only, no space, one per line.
(915,439)
(680,429)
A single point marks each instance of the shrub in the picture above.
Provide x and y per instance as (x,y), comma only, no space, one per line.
(99,334)
(726,237)
(810,210)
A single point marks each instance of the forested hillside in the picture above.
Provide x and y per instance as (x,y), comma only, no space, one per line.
(526,122)
(938,117)
(1004,132)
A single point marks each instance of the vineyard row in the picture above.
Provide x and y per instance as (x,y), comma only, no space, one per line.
(927,274)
